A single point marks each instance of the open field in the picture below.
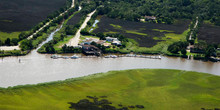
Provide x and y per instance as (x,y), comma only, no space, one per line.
(209,33)
(75,19)
(146,34)
(155,89)
(22,15)
(5,35)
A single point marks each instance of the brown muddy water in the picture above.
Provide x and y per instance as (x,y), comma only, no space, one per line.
(38,68)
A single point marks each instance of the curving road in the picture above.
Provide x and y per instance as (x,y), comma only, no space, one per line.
(31,36)
(75,40)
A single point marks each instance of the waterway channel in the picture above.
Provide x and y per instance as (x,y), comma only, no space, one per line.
(39,68)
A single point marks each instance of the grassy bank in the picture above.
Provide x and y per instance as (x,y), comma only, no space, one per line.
(5,35)
(155,89)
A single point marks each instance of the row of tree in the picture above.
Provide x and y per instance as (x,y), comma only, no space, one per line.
(27,44)
(166,10)
(178,47)
(9,42)
(201,47)
(68,30)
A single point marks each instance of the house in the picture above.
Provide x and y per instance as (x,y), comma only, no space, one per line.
(101,42)
(150,17)
(116,42)
(107,44)
(142,20)
(111,39)
(196,50)
(218,54)
(91,50)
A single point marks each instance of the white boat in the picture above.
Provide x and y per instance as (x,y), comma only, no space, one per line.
(54,57)
(74,57)
(108,56)
(111,56)
(114,56)
(159,57)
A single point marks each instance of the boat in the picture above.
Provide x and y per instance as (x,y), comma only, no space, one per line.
(114,56)
(159,57)
(108,56)
(74,57)
(111,56)
(54,57)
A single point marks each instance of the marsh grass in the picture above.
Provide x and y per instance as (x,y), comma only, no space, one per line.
(156,89)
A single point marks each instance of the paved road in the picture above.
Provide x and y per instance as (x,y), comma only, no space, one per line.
(31,36)
(75,40)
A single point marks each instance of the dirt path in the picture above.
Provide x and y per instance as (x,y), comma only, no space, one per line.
(75,40)
(31,36)
(9,47)
(190,37)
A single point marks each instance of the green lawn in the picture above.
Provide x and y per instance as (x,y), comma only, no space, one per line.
(156,89)
(5,35)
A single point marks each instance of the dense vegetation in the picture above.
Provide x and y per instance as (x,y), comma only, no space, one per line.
(154,89)
(101,103)
(165,10)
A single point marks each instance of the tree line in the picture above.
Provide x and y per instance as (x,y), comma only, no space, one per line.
(165,10)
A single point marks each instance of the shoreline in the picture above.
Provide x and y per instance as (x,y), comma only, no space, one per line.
(171,89)
(94,75)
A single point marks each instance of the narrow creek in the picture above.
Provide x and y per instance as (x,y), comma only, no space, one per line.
(93,26)
(50,37)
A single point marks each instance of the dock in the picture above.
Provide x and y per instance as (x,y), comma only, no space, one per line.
(107,56)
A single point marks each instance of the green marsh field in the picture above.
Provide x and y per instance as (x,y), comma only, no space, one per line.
(145,37)
(155,89)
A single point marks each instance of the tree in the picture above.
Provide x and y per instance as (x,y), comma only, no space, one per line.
(8,42)
(14,41)
(209,51)
(1,43)
(100,35)
(22,35)
(26,45)
(49,47)
(64,48)
(173,48)
(183,51)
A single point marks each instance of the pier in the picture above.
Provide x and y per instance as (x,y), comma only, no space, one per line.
(107,56)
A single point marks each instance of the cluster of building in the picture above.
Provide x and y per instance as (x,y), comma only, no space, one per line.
(107,43)
(89,49)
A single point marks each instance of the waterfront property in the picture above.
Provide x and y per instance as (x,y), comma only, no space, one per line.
(91,50)
(108,42)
